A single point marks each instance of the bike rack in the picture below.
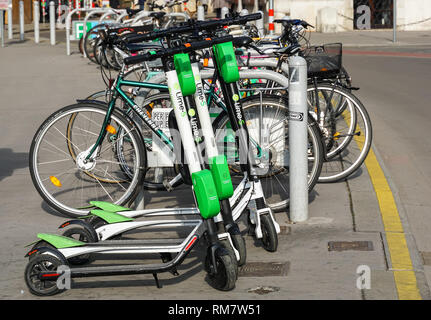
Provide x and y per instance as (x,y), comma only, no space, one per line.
(298,123)
(122,16)
(106,13)
(68,22)
(146,14)
(117,12)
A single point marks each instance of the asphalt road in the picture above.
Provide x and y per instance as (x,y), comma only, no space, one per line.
(396,92)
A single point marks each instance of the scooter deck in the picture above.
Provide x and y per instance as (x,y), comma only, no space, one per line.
(135,243)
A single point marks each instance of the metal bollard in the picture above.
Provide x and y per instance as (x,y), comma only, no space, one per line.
(239,8)
(1,28)
(201,13)
(260,25)
(243,12)
(224,12)
(394,39)
(52,22)
(298,139)
(256,6)
(21,20)
(36,17)
(271,17)
(9,20)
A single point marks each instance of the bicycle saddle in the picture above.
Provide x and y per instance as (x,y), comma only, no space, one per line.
(293,22)
(242,41)
(133,47)
(132,12)
(157,14)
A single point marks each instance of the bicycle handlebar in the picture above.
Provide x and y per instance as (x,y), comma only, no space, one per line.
(134,29)
(191,26)
(294,22)
(185,48)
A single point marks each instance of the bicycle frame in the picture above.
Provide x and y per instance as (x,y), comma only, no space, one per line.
(118,92)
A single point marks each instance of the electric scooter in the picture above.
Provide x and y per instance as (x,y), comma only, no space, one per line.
(54,251)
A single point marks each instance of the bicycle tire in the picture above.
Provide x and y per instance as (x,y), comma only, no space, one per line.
(316,151)
(351,146)
(71,200)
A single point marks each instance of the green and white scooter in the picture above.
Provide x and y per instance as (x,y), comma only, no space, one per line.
(228,232)
(247,194)
(42,272)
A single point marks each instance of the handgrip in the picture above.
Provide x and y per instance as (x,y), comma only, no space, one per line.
(191,26)
(185,48)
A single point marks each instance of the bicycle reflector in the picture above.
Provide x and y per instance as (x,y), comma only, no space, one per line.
(55,181)
(111,129)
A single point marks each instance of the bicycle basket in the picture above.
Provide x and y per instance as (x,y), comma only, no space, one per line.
(324,61)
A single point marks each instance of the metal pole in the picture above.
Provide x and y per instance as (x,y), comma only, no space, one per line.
(21,20)
(243,12)
(395,21)
(52,22)
(298,140)
(2,28)
(256,6)
(9,21)
(43,11)
(59,11)
(260,26)
(224,12)
(239,6)
(201,13)
(271,17)
(36,20)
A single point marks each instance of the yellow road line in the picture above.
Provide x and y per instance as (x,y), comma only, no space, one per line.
(402,266)
(404,276)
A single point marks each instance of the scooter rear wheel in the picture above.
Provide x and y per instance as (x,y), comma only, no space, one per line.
(81,235)
(42,262)
(270,238)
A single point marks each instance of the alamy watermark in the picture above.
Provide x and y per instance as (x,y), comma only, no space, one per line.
(64,280)
(364,279)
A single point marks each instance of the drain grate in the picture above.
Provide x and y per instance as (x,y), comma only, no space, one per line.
(264,269)
(350,245)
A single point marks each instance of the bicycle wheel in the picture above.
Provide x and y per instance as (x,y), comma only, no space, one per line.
(90,41)
(346,128)
(63,176)
(269,136)
(155,176)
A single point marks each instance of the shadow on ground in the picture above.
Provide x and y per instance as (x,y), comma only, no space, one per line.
(10,161)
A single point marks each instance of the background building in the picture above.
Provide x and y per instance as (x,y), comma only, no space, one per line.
(358,14)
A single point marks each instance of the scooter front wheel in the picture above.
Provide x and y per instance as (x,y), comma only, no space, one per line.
(239,244)
(225,277)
